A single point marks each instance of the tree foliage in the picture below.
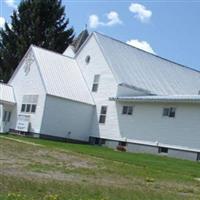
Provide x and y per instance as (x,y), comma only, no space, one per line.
(39,22)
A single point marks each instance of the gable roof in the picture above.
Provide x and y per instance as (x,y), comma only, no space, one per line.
(7,94)
(62,76)
(144,70)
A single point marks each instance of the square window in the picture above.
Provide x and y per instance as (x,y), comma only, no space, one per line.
(28,108)
(102,119)
(33,108)
(127,110)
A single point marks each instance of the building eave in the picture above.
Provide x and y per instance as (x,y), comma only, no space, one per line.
(159,99)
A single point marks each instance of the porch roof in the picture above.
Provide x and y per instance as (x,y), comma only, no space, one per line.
(7,94)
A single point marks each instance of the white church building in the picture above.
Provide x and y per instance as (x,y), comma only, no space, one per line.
(106,92)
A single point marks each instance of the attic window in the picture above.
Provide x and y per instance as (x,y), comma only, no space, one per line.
(87,59)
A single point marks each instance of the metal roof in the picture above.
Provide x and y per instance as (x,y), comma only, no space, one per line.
(141,69)
(152,98)
(7,94)
(61,76)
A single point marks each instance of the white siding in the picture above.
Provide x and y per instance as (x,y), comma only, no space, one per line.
(107,87)
(148,124)
(30,84)
(62,116)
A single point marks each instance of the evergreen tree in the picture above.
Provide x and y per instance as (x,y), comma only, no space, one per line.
(39,22)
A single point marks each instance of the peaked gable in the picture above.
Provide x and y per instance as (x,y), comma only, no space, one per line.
(140,69)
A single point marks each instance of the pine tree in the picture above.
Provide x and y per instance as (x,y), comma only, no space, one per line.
(39,22)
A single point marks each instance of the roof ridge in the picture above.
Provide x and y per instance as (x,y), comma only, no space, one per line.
(117,40)
(51,51)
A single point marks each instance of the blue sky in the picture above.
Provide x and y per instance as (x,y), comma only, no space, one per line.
(167,28)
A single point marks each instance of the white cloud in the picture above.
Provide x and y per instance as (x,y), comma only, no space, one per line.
(140,12)
(11,3)
(93,21)
(2,22)
(144,45)
(112,19)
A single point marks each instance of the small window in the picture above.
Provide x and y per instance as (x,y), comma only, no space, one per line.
(130,110)
(172,112)
(28,107)
(169,112)
(102,118)
(23,107)
(166,112)
(5,116)
(33,108)
(122,143)
(127,110)
(163,150)
(94,87)
(87,59)
(95,83)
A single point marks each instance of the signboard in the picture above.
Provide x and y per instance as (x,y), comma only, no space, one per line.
(23,123)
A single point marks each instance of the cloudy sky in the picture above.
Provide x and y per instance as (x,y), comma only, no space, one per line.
(166,28)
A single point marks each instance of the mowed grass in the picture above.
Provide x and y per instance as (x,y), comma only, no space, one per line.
(41,169)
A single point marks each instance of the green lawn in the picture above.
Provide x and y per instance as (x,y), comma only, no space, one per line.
(47,170)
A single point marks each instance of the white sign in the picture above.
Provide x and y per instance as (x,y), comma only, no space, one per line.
(23,123)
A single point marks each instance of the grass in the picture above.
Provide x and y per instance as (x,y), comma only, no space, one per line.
(57,170)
